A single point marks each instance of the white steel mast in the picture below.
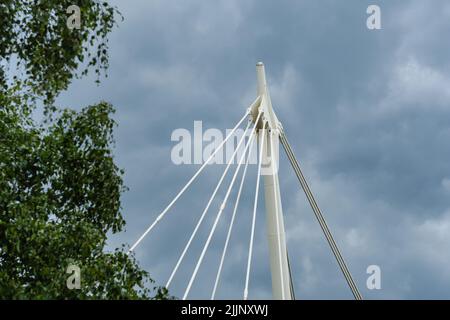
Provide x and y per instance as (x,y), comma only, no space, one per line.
(281,281)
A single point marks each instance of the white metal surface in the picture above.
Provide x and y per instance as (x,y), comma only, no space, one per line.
(255,208)
(270,132)
(164,212)
(230,228)
(180,259)
(219,214)
(274,211)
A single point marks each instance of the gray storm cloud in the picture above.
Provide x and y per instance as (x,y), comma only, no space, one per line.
(367,112)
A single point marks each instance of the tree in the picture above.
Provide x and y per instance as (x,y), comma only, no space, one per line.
(45,54)
(59,186)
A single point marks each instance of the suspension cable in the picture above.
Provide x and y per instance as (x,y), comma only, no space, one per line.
(219,271)
(255,205)
(219,214)
(334,248)
(291,281)
(283,297)
(162,214)
(206,209)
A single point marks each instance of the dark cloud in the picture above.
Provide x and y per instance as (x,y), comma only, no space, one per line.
(367,113)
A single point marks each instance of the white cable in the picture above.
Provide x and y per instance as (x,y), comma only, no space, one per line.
(161,215)
(230,228)
(250,251)
(277,213)
(206,209)
(219,214)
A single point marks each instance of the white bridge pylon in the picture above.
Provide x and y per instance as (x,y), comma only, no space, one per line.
(268,131)
(281,280)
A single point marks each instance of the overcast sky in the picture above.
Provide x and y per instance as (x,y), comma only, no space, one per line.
(367,113)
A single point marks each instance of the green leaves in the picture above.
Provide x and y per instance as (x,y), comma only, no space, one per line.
(48,53)
(59,185)
(59,198)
